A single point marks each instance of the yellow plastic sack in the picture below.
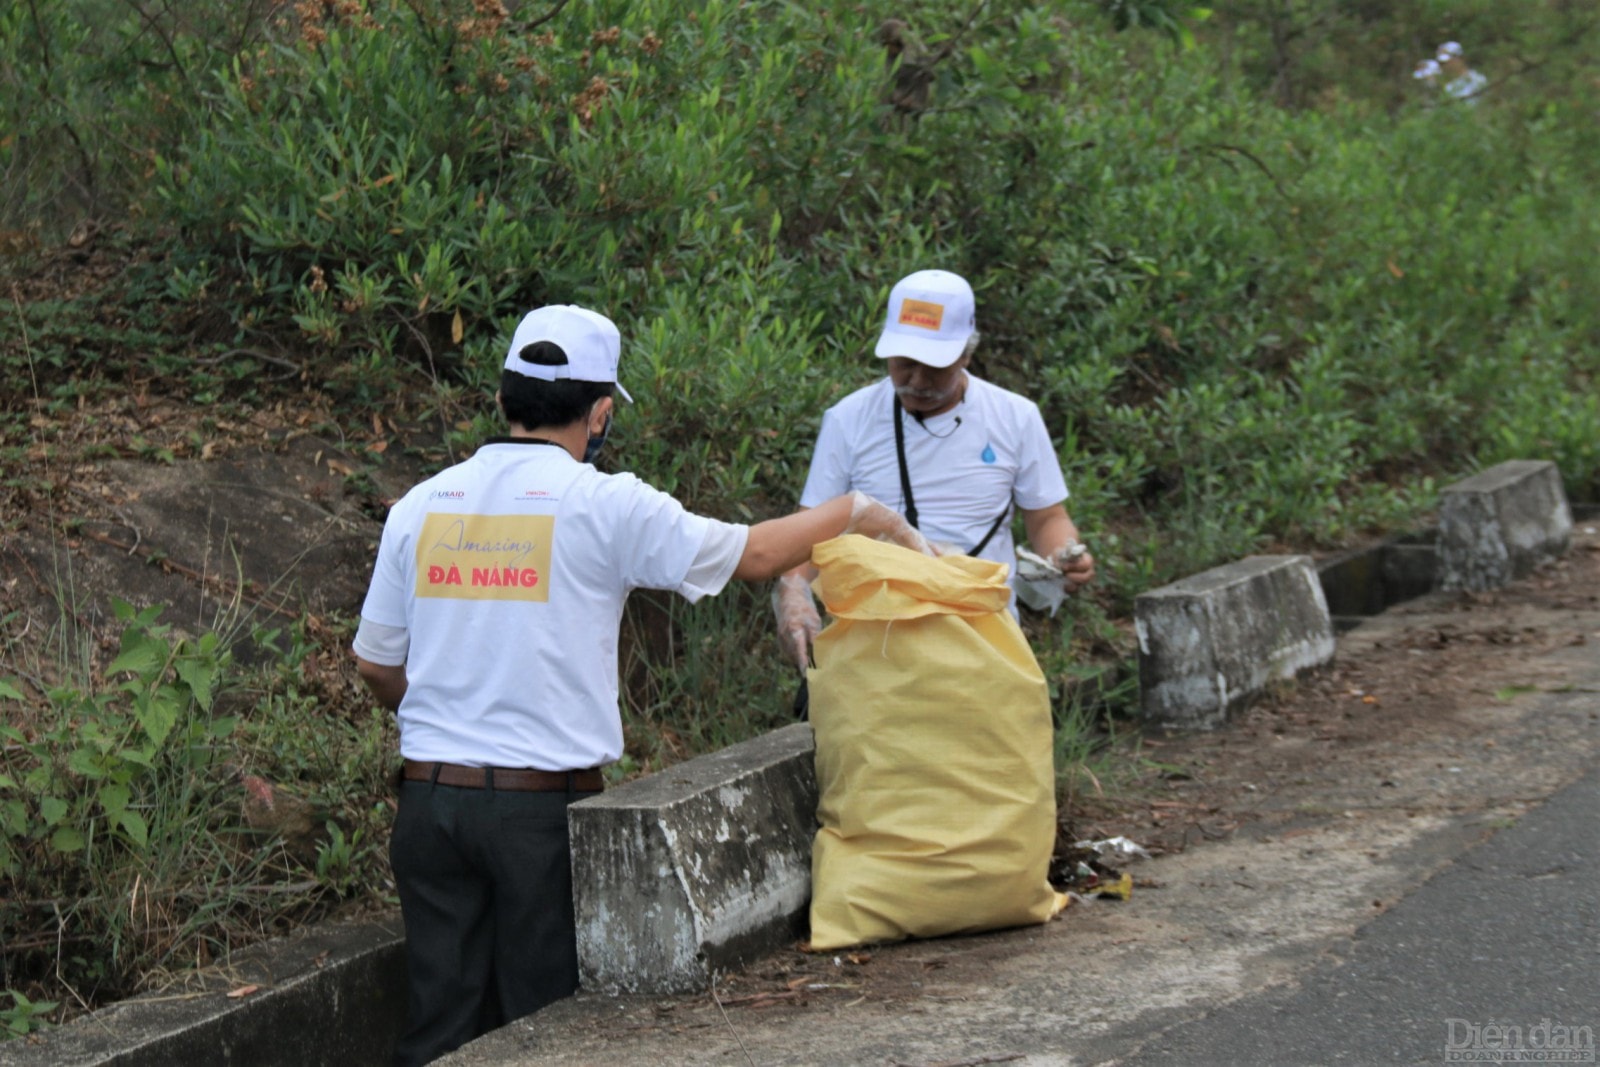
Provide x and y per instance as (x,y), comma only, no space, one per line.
(934,754)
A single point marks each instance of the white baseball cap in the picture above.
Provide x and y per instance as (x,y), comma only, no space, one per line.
(1449,50)
(932,314)
(591,341)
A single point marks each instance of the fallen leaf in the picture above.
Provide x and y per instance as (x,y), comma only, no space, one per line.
(243,991)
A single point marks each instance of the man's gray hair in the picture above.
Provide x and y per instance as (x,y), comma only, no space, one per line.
(972,344)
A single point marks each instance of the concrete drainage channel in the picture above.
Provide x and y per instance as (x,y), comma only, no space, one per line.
(705,867)
(335,994)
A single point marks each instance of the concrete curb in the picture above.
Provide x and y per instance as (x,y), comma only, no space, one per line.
(334,994)
(701,868)
(1215,641)
(1496,526)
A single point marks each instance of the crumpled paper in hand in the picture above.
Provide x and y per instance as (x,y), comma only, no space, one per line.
(1039,582)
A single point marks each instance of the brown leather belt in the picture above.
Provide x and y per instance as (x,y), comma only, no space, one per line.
(514,779)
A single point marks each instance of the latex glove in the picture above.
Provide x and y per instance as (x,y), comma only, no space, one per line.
(798,620)
(1075,563)
(869,518)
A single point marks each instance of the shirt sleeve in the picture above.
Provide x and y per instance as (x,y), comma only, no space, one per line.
(387,595)
(1040,483)
(380,644)
(716,561)
(829,475)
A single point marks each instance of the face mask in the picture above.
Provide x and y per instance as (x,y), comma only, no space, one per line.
(591,450)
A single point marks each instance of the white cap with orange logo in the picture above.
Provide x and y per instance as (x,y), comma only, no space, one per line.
(932,315)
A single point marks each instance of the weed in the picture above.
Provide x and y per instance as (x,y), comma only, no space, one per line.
(25,1016)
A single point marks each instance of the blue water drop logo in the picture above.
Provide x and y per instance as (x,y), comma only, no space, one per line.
(988,453)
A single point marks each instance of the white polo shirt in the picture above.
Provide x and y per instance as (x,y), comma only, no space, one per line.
(966,465)
(508,573)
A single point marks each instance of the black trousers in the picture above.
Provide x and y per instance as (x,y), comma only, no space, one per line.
(485,880)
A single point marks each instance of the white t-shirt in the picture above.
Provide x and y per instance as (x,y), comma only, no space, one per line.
(967,465)
(1468,86)
(508,573)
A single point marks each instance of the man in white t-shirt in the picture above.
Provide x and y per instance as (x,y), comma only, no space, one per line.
(1461,81)
(953,452)
(491,628)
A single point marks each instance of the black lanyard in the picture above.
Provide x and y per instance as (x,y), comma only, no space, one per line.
(905,482)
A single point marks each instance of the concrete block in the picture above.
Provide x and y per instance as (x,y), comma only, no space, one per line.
(1214,641)
(703,867)
(1496,526)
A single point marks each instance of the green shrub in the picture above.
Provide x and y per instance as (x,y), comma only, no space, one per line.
(124,834)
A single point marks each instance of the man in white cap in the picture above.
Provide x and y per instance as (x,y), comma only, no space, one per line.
(1463,83)
(490,627)
(953,452)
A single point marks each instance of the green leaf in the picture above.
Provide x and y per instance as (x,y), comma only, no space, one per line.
(9,691)
(67,839)
(134,826)
(87,762)
(140,654)
(114,798)
(13,817)
(198,676)
(52,810)
(160,713)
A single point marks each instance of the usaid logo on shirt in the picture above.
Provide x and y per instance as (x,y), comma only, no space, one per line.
(448,494)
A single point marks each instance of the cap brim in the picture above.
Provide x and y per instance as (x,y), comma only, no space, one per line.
(930,351)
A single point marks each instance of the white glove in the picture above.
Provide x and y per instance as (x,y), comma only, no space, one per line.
(798,620)
(869,518)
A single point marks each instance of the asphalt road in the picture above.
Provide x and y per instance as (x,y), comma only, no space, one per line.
(1494,959)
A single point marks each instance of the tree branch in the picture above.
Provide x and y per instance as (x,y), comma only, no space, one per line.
(547,16)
